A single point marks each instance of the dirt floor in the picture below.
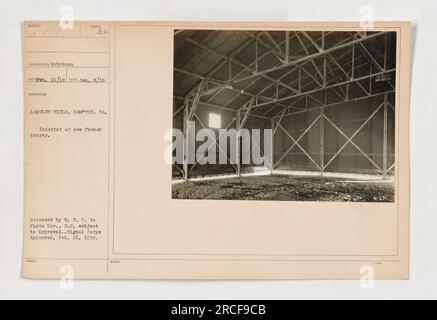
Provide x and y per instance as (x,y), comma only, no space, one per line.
(285,188)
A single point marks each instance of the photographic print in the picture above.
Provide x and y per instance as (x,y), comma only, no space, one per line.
(188,150)
(284,115)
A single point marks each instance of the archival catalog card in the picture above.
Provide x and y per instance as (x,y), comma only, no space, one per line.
(167,150)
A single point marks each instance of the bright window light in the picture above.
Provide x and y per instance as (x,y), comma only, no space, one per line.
(215,121)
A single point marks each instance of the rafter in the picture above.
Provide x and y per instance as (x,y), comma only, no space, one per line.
(219,84)
(269,36)
(296,68)
(301,68)
(310,57)
(308,53)
(312,41)
(327,87)
(300,78)
(347,74)
(229,59)
(371,57)
(304,86)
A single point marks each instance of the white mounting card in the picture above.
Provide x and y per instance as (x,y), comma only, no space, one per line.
(102,202)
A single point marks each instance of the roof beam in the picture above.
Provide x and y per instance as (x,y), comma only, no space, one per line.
(216,106)
(309,95)
(313,56)
(309,77)
(312,41)
(269,36)
(323,38)
(372,58)
(270,100)
(324,88)
(270,50)
(221,64)
(219,83)
(205,104)
(308,53)
(347,74)
(287,46)
(232,60)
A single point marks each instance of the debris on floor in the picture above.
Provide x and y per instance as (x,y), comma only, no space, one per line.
(286,188)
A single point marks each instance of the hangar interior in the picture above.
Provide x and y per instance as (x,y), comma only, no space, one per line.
(328,97)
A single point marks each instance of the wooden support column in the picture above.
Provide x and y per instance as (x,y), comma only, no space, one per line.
(322,135)
(256,53)
(272,159)
(385,137)
(238,144)
(287,46)
(300,79)
(385,51)
(186,146)
(230,69)
(353,62)
(325,65)
(189,113)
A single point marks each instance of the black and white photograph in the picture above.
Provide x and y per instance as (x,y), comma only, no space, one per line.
(284,115)
(224,157)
